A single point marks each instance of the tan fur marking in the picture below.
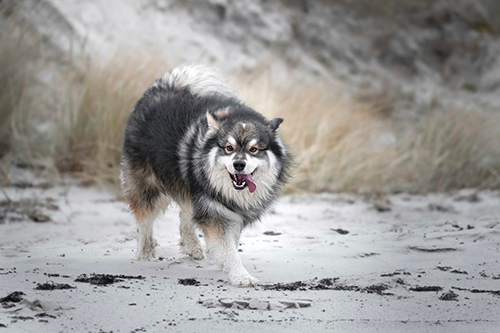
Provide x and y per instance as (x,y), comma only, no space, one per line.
(141,213)
(222,112)
(212,231)
(136,182)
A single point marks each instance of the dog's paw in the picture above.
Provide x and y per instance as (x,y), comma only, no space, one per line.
(146,254)
(243,280)
(197,254)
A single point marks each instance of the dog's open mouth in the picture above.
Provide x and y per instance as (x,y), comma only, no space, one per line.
(240,181)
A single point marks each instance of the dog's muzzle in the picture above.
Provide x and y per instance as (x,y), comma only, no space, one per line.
(241,180)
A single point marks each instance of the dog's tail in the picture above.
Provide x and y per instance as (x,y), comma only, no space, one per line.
(199,79)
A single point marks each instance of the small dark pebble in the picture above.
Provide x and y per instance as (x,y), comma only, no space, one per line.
(427,288)
(53,286)
(3,325)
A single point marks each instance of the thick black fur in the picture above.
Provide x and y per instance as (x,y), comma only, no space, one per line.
(154,133)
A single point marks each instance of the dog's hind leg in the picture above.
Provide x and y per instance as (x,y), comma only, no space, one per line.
(222,249)
(189,242)
(145,217)
(143,194)
(145,243)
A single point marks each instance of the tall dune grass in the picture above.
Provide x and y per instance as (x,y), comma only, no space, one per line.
(92,123)
(340,143)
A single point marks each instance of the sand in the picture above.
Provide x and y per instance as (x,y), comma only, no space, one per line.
(326,262)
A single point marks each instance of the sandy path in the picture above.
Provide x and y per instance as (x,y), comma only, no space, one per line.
(449,244)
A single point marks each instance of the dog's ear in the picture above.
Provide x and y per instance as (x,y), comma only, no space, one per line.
(222,113)
(275,124)
(212,122)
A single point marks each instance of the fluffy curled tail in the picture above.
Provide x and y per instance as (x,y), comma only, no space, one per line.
(199,79)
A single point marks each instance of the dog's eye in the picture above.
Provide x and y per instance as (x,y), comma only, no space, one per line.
(253,150)
(229,149)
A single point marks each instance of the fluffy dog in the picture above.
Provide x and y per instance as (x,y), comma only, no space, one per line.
(191,140)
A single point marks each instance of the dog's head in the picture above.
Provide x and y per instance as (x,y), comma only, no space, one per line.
(246,152)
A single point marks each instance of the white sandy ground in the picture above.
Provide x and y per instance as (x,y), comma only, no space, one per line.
(93,233)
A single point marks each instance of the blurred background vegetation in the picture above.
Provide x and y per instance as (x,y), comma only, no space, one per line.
(377,96)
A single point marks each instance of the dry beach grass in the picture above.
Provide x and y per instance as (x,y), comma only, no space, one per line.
(341,143)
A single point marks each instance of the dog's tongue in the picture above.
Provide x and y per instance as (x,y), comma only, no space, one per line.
(249,180)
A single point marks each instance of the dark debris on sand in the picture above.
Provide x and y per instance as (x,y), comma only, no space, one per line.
(14,297)
(449,296)
(395,273)
(189,282)
(45,315)
(105,279)
(340,231)
(432,250)
(53,286)
(426,288)
(22,318)
(9,300)
(272,233)
(451,270)
(326,284)
(479,291)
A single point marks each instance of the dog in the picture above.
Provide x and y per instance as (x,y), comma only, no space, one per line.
(190,139)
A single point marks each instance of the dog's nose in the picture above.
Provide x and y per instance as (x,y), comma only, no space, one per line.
(239,165)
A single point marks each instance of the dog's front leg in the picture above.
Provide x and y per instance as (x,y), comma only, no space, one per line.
(222,249)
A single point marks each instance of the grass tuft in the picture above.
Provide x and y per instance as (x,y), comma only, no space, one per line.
(93,122)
